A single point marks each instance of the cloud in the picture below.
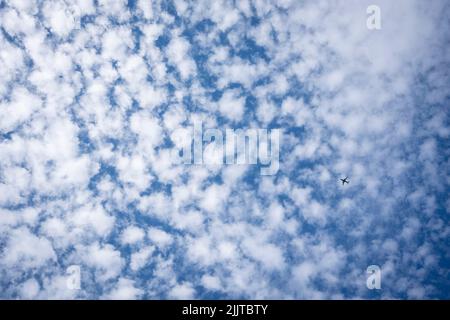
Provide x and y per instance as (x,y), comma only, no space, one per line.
(19,254)
(132,235)
(124,290)
(105,259)
(182,292)
(96,96)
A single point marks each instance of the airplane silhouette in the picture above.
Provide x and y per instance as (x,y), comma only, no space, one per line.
(344,181)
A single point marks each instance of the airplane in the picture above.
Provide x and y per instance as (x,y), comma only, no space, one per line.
(344,181)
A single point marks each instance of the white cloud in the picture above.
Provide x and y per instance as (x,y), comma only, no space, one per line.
(140,258)
(182,291)
(87,112)
(92,218)
(20,254)
(59,18)
(159,237)
(178,53)
(105,259)
(29,289)
(231,105)
(124,290)
(211,282)
(132,235)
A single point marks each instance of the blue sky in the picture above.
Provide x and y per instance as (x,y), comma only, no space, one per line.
(94,98)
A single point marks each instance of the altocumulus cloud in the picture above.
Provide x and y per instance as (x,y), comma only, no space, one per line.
(93,92)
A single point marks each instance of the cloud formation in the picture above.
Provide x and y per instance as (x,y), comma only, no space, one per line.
(93,95)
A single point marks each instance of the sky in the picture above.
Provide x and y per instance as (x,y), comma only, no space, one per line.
(97,95)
